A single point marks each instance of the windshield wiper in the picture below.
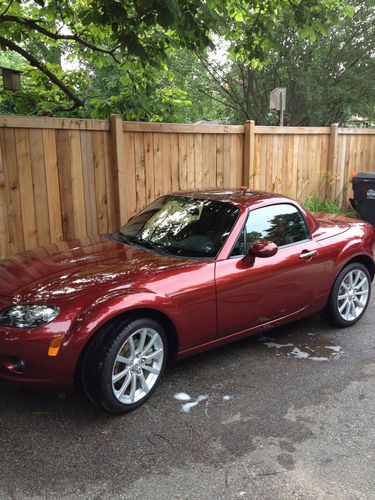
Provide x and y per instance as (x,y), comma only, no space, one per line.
(139,242)
(149,244)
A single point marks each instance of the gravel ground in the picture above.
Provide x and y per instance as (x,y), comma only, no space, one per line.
(286,415)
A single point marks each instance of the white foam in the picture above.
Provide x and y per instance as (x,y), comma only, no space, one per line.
(336,348)
(188,406)
(297,353)
(277,346)
(182,396)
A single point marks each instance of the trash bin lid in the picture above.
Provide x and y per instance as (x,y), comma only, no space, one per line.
(370,176)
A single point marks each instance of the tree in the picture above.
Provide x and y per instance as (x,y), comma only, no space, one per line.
(84,36)
(329,79)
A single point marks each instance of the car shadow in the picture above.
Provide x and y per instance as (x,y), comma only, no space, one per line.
(16,399)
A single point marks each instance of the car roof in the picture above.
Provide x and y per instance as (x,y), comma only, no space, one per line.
(241,197)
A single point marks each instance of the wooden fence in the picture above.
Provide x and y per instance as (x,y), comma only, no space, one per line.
(62,179)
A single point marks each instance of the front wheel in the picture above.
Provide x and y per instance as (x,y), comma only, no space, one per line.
(124,372)
(350,295)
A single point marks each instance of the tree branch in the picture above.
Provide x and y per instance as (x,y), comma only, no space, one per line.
(39,65)
(32,24)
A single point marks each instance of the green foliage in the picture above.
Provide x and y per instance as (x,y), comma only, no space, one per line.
(328,79)
(316,204)
(70,51)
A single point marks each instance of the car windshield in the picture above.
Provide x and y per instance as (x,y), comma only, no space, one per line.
(182,226)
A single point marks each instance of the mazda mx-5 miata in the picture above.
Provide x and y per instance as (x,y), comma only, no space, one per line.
(190,272)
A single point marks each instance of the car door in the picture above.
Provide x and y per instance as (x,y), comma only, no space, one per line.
(251,293)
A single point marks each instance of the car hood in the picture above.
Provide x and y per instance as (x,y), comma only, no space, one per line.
(66,269)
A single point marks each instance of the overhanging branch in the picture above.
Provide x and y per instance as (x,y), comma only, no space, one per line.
(43,68)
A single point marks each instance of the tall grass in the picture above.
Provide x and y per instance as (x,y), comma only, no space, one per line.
(315,204)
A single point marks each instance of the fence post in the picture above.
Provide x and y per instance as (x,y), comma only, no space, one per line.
(117,138)
(249,153)
(332,161)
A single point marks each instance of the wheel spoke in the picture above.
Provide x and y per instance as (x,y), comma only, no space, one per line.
(125,361)
(347,310)
(153,355)
(342,296)
(143,383)
(149,345)
(357,278)
(358,302)
(362,292)
(133,387)
(124,386)
(120,375)
(131,347)
(360,285)
(151,369)
(350,277)
(343,305)
(141,341)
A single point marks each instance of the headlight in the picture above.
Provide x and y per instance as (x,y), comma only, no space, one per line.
(28,316)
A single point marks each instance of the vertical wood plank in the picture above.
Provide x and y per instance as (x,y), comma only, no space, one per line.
(158,165)
(53,188)
(198,160)
(127,182)
(227,161)
(190,160)
(209,163)
(140,176)
(77,184)
(220,160)
(149,167)
(120,160)
(39,186)
(98,190)
(88,173)
(332,158)
(111,180)
(4,247)
(167,164)
(26,188)
(182,161)
(175,174)
(65,184)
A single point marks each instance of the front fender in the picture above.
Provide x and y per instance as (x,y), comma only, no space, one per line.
(100,312)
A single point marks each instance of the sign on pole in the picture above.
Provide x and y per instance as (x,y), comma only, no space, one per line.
(278,102)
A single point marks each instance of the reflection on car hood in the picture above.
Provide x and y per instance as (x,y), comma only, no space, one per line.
(69,268)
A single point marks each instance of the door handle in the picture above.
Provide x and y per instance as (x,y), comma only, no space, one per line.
(308,255)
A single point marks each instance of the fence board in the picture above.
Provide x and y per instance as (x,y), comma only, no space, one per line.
(25,176)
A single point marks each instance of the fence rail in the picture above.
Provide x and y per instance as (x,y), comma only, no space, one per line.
(66,178)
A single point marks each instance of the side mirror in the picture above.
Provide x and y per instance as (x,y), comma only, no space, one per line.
(262,249)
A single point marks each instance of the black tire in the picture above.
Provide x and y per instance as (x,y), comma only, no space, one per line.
(99,359)
(332,312)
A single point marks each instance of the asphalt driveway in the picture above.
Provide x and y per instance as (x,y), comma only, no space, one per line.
(286,415)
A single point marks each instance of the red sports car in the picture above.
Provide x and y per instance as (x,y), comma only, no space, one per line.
(190,272)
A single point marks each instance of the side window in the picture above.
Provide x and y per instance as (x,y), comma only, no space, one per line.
(283,224)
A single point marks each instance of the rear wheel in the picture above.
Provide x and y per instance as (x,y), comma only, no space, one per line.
(124,371)
(349,296)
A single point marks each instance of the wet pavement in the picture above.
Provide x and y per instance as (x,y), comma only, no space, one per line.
(289,414)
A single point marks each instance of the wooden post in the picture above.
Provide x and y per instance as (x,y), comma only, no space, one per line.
(332,161)
(249,154)
(117,136)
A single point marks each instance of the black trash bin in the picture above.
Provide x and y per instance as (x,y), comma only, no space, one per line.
(364,196)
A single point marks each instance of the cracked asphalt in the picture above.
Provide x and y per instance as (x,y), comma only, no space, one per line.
(289,415)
